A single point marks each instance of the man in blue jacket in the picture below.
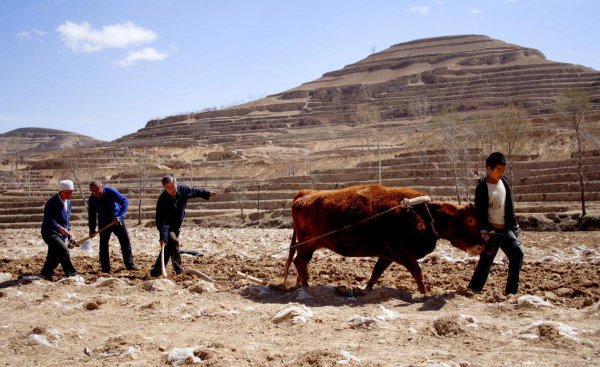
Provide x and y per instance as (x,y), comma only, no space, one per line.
(110,206)
(56,230)
(170,211)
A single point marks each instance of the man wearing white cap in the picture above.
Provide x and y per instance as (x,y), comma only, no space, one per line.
(56,230)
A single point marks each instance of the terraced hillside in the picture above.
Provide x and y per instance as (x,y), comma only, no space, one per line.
(547,192)
(468,73)
(352,126)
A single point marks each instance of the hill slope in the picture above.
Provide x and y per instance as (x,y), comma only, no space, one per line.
(32,140)
(469,73)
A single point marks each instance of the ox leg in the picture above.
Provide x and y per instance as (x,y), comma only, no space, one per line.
(415,270)
(301,262)
(379,268)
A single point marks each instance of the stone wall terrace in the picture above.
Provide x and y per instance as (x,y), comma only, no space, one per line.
(538,191)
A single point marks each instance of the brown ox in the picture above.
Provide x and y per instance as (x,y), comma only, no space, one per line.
(369,221)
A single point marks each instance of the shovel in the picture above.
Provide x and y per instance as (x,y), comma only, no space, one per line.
(198,273)
(163,271)
(80,242)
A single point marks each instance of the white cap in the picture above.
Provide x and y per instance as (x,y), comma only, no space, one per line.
(65,185)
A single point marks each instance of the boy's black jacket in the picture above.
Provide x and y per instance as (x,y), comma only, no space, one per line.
(482,203)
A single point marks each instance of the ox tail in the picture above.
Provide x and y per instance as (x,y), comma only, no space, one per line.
(290,256)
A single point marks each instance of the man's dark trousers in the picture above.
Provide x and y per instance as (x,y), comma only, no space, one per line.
(510,245)
(121,232)
(58,253)
(171,250)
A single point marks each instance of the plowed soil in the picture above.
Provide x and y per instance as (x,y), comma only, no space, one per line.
(130,318)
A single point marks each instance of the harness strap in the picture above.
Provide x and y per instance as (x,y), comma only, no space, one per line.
(435,232)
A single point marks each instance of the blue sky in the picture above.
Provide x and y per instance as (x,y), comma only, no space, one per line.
(104,68)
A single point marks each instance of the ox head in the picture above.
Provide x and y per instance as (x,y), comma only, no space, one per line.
(458,224)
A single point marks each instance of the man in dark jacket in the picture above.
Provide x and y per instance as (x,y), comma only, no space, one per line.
(170,211)
(499,227)
(109,206)
(56,230)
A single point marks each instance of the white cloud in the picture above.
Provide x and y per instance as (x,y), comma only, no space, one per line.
(511,1)
(83,38)
(23,35)
(34,33)
(37,32)
(474,11)
(420,9)
(146,54)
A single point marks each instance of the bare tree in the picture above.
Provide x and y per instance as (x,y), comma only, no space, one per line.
(309,169)
(510,125)
(239,196)
(192,173)
(482,136)
(79,174)
(573,106)
(593,138)
(379,157)
(419,106)
(236,189)
(258,200)
(142,166)
(454,142)
(15,158)
(367,114)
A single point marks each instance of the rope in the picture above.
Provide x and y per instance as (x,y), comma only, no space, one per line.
(435,232)
(404,204)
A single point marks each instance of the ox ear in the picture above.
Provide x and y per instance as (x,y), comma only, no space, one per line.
(419,223)
(449,209)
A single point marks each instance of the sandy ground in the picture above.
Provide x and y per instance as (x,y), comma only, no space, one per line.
(128,318)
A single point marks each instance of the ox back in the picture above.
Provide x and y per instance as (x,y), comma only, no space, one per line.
(368,221)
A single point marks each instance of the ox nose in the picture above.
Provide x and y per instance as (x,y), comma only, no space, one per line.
(475,250)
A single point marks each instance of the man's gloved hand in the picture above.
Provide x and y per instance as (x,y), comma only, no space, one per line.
(486,235)
(71,243)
